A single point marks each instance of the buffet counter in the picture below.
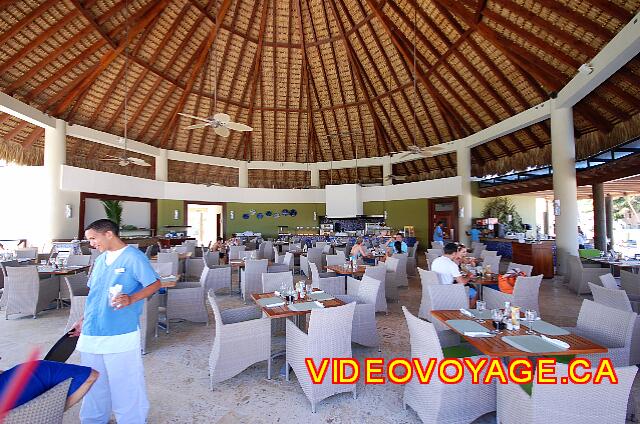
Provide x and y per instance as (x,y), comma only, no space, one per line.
(542,254)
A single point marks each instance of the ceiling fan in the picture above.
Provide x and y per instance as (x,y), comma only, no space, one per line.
(425,152)
(124,159)
(220,122)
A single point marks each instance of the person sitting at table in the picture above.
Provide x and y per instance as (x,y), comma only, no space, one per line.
(397,245)
(218,246)
(48,374)
(462,256)
(446,267)
(358,250)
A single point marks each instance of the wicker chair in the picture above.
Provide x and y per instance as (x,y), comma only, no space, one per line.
(193,268)
(268,252)
(26,293)
(272,281)
(277,257)
(364,331)
(251,276)
(525,294)
(234,252)
(437,245)
(242,338)
(78,260)
(329,336)
(378,272)
(76,286)
(618,299)
(486,253)
(164,269)
(493,262)
(579,276)
(289,261)
(609,327)
(477,248)
(427,278)
(335,260)
(566,403)
(334,285)
(401,271)
(171,258)
(412,259)
(437,402)
(391,279)
(313,255)
(630,283)
(430,258)
(149,321)
(609,281)
(186,300)
(48,408)
(527,269)
(445,296)
(211,259)
(216,278)
(249,254)
(27,253)
(436,251)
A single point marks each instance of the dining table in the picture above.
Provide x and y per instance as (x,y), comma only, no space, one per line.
(632,264)
(44,270)
(480,282)
(342,270)
(514,343)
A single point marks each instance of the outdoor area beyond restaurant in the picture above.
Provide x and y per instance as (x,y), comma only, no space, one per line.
(371,211)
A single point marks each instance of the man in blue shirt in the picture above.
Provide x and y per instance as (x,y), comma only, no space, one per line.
(438,233)
(403,248)
(109,335)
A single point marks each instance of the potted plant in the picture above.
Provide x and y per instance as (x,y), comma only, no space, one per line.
(113,210)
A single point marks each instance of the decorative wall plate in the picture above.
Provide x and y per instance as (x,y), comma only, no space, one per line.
(259,215)
(284,212)
(245,216)
(268,213)
(276,215)
(252,211)
(293,212)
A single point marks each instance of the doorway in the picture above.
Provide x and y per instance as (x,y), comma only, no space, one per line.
(205,222)
(445,210)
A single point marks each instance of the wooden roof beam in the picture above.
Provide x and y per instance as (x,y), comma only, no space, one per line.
(35,134)
(15,131)
(29,18)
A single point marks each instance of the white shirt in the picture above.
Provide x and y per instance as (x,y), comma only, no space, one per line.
(101,345)
(446,269)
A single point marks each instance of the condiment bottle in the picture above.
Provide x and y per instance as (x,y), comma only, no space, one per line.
(515,317)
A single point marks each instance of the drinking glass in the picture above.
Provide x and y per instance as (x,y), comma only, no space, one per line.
(481,306)
(496,316)
(530,315)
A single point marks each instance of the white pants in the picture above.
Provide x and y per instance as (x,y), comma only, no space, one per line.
(120,388)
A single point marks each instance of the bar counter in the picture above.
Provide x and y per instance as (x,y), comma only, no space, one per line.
(542,255)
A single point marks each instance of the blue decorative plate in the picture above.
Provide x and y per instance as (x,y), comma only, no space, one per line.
(252,211)
(284,212)
(259,215)
(293,212)
(268,213)
(245,216)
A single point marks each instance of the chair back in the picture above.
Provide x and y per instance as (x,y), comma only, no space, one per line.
(431,257)
(254,268)
(527,269)
(607,326)
(428,277)
(630,282)
(342,255)
(273,281)
(438,252)
(193,267)
(526,292)
(234,251)
(77,284)
(78,260)
(320,244)
(27,253)
(609,281)
(315,255)
(151,250)
(172,258)
(335,260)
(215,278)
(378,272)
(477,248)
(276,255)
(368,291)
(7,264)
(180,250)
(216,312)
(249,254)
(329,332)
(414,249)
(402,266)
(94,255)
(424,339)
(486,253)
(493,262)
(164,269)
(268,250)
(315,275)
(613,298)
(326,249)
(288,259)
(437,245)
(447,296)
(392,264)
(211,259)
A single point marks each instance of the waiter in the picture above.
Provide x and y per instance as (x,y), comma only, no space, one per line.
(109,335)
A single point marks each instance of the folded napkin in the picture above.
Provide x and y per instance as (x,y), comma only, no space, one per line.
(465,312)
(559,343)
(477,334)
(319,304)
(276,292)
(168,277)
(275,305)
(318,291)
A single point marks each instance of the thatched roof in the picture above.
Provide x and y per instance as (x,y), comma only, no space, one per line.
(299,71)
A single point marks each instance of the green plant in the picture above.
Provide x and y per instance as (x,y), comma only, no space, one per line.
(129,227)
(501,208)
(113,210)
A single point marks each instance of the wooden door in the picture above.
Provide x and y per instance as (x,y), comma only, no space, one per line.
(445,210)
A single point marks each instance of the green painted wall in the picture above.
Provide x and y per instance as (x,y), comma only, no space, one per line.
(404,212)
(165,213)
(268,226)
(525,205)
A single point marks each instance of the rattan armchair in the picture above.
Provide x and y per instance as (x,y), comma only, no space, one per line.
(445,296)
(579,276)
(401,271)
(391,279)
(26,293)
(272,281)
(527,269)
(427,278)
(149,321)
(378,272)
(48,408)
(251,277)
(333,285)
(76,286)
(438,402)
(329,336)
(187,299)
(242,338)
(412,259)
(566,403)
(234,251)
(364,330)
(525,294)
(313,255)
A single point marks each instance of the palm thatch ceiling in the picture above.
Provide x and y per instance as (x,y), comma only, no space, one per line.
(392,72)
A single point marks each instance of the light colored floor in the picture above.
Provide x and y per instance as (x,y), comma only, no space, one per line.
(177,369)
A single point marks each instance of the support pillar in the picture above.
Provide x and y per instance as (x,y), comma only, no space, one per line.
(387,171)
(243,175)
(609,218)
(162,166)
(599,217)
(463,164)
(55,155)
(315,177)
(565,190)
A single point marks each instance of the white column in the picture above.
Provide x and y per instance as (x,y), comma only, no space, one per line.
(55,155)
(162,166)
(563,160)
(243,175)
(387,171)
(315,177)
(463,165)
